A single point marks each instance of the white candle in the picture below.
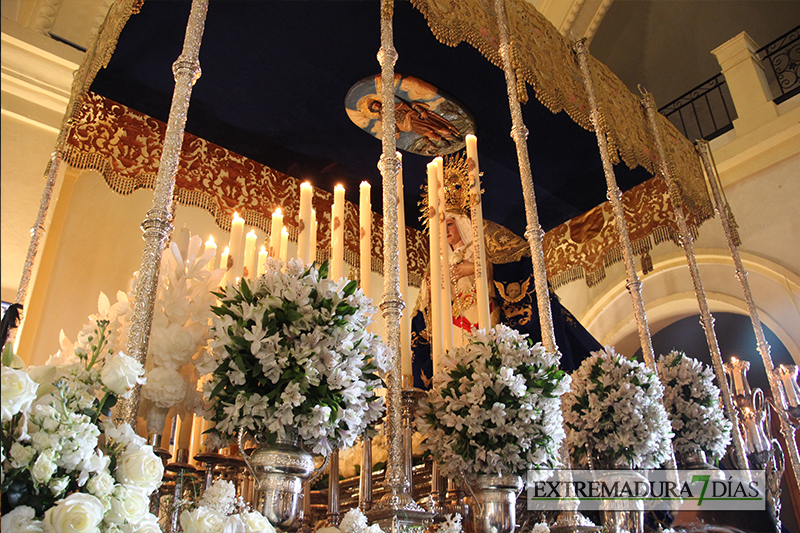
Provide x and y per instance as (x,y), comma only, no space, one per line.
(262,259)
(738,384)
(478,242)
(223,263)
(185,431)
(197,437)
(275,233)
(337,233)
(405,318)
(249,254)
(444,274)
(436,268)
(211,245)
(365,221)
(787,378)
(236,248)
(284,253)
(314,228)
(182,240)
(304,235)
(750,429)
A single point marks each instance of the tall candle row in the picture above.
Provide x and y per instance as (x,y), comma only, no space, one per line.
(246,260)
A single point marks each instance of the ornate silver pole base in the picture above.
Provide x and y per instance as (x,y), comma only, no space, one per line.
(365,476)
(333,489)
(182,468)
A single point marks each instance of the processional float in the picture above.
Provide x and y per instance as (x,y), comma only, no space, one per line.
(397,510)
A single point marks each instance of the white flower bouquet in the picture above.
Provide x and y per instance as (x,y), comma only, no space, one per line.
(693,404)
(56,472)
(353,521)
(495,409)
(614,410)
(219,510)
(179,333)
(293,351)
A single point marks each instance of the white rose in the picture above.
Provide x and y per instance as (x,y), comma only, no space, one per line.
(149,524)
(45,376)
(78,513)
(140,467)
(17,392)
(234,524)
(121,373)
(255,522)
(58,485)
(202,520)
(128,504)
(165,387)
(21,520)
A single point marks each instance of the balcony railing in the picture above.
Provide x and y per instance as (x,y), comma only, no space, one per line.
(781,61)
(705,112)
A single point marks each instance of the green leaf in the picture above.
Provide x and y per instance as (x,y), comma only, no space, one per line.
(8,354)
(248,295)
(218,388)
(350,288)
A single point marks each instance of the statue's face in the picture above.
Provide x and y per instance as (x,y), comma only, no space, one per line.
(453,236)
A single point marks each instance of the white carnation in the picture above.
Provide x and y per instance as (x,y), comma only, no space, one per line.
(21,519)
(165,386)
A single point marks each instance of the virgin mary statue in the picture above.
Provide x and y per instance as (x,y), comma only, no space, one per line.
(511,291)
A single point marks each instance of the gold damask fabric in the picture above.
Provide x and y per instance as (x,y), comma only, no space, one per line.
(544,59)
(585,245)
(125,146)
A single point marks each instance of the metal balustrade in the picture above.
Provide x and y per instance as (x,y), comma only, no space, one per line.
(705,112)
(781,61)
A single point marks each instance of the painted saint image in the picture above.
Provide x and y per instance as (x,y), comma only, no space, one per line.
(427,122)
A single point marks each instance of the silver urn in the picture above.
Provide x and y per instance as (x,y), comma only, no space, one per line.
(493,506)
(281,471)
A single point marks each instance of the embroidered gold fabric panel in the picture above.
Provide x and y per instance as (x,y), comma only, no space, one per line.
(125,147)
(585,245)
(544,59)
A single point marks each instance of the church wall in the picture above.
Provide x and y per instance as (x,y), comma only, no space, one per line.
(25,151)
(765,206)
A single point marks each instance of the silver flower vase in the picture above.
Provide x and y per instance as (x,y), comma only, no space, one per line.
(280,471)
(694,459)
(618,515)
(492,507)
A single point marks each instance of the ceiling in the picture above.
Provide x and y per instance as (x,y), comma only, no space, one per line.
(666,46)
(274,79)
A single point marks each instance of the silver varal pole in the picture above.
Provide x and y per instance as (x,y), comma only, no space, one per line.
(96,56)
(615,197)
(570,519)
(707,320)
(397,510)
(723,209)
(157,225)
